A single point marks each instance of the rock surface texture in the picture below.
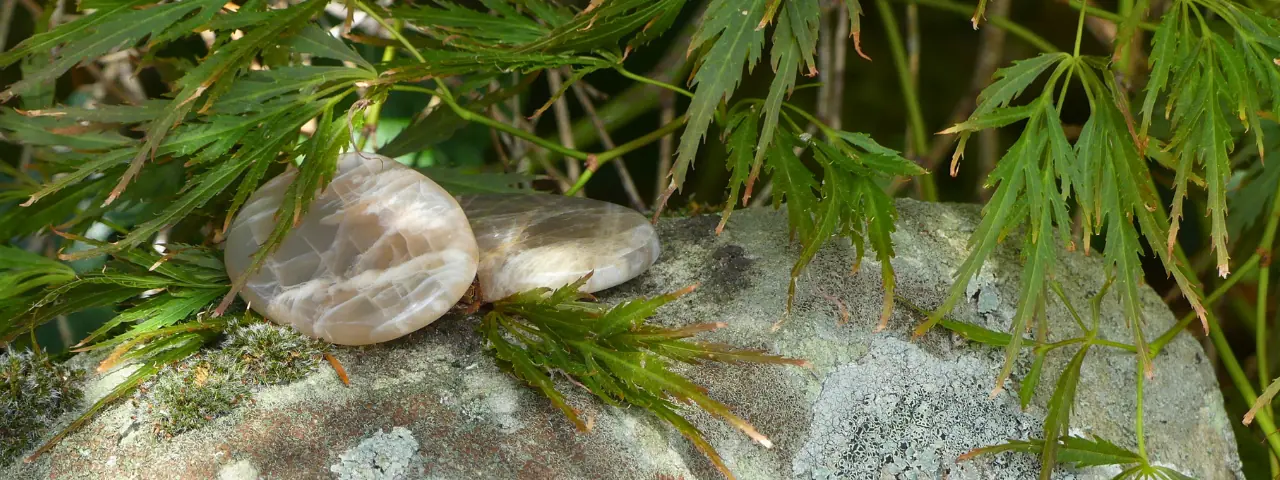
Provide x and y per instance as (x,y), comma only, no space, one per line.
(530,241)
(875,405)
(382,252)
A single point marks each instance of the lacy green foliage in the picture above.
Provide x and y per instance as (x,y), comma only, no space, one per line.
(1065,448)
(1105,171)
(188,395)
(614,354)
(733,33)
(34,392)
(161,301)
(1090,452)
(849,201)
(1219,82)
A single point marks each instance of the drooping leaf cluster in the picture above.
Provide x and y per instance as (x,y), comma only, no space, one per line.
(1045,184)
(615,354)
(163,303)
(846,198)
(732,36)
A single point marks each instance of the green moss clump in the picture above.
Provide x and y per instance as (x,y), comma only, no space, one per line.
(213,382)
(34,392)
(194,393)
(270,354)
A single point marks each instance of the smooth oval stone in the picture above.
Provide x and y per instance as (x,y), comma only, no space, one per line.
(538,240)
(382,252)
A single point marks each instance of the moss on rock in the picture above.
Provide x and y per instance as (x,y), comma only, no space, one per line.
(213,382)
(34,391)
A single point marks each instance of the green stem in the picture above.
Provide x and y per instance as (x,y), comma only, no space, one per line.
(1008,25)
(1079,31)
(395,32)
(1217,293)
(471,116)
(1106,15)
(1137,421)
(613,153)
(375,111)
(1264,280)
(920,143)
(1241,381)
(1109,343)
(657,83)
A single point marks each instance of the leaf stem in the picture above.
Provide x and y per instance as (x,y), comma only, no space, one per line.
(1080,30)
(1137,420)
(375,111)
(608,155)
(1260,307)
(471,116)
(657,83)
(1217,293)
(1241,381)
(1003,22)
(1107,15)
(919,142)
(395,32)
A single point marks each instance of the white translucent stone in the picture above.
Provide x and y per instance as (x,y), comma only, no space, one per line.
(382,252)
(537,240)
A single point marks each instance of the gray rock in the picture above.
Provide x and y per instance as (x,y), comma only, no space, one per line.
(875,405)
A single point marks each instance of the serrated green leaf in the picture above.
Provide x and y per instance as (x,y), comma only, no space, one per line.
(996,118)
(1057,421)
(976,333)
(1031,380)
(1094,452)
(880,158)
(314,40)
(794,183)
(225,61)
(1163,52)
(1009,82)
(741,132)
(794,39)
(730,26)
(121,26)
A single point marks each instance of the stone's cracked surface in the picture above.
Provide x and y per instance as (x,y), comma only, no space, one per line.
(383,252)
(536,240)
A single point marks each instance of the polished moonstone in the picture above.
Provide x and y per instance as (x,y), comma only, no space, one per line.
(531,240)
(383,252)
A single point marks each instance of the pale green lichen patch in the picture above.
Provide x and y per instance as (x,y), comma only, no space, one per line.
(34,391)
(213,382)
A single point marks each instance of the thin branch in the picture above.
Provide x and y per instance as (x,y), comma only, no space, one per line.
(614,153)
(1103,14)
(990,56)
(839,57)
(6,18)
(628,185)
(666,146)
(561,108)
(913,68)
(917,141)
(1003,22)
